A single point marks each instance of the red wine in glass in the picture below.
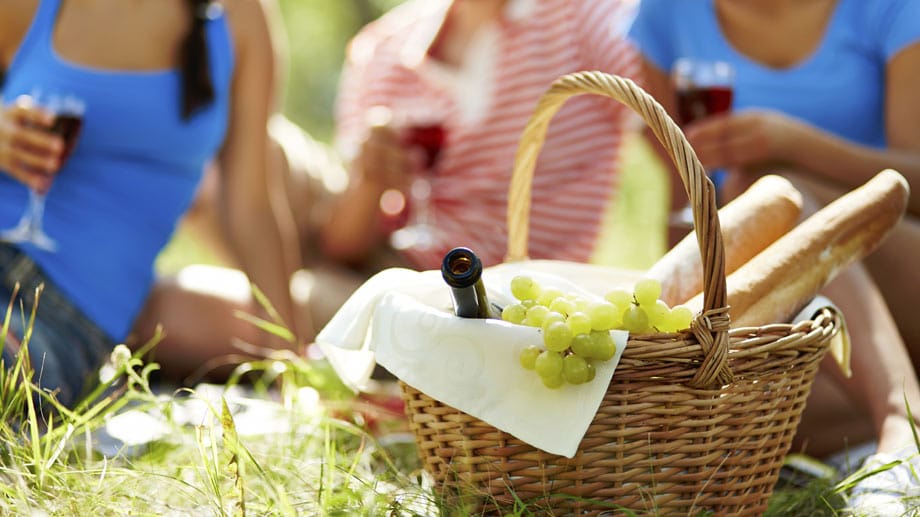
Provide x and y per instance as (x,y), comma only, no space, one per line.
(698,102)
(430,139)
(67,126)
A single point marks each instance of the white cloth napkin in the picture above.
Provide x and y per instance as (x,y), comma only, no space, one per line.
(403,320)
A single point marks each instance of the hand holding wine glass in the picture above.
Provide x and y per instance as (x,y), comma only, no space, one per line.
(40,133)
(28,151)
(429,138)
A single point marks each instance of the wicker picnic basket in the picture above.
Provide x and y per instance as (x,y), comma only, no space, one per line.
(694,421)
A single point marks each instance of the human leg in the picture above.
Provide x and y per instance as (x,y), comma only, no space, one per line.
(883,376)
(197,314)
(65,348)
(198,311)
(832,422)
(894,268)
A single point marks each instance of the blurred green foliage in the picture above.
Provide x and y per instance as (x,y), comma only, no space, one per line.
(317,32)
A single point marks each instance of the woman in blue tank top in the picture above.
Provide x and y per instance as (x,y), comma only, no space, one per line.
(168,86)
(825,90)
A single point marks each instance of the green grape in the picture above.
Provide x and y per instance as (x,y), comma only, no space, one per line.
(582,305)
(557,336)
(552,317)
(680,317)
(548,364)
(604,316)
(528,357)
(524,288)
(562,305)
(553,382)
(635,320)
(595,346)
(579,322)
(581,345)
(514,313)
(619,297)
(528,303)
(536,315)
(591,371)
(666,325)
(548,295)
(658,314)
(647,291)
(603,347)
(575,369)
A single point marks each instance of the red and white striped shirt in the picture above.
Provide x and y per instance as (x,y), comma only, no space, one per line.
(536,42)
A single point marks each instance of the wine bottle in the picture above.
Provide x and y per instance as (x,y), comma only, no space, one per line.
(462,270)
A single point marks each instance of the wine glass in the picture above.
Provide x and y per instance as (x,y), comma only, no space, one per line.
(68,120)
(430,138)
(703,88)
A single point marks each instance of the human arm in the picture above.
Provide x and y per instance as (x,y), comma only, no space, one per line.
(279,42)
(262,236)
(353,227)
(751,140)
(368,142)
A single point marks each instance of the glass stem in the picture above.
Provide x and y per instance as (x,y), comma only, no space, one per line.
(36,210)
(421,196)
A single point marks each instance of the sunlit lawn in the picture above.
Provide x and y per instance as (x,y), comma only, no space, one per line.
(209,451)
(291,443)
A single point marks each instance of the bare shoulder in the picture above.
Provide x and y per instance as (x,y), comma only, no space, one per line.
(15,17)
(17,10)
(248,20)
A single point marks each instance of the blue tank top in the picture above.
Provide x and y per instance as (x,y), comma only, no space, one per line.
(115,203)
(840,87)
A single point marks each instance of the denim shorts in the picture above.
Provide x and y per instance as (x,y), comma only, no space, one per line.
(66,348)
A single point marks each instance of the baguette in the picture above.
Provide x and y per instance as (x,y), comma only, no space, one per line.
(777,283)
(761,214)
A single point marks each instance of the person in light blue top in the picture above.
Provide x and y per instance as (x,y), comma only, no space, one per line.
(834,80)
(167,86)
(825,91)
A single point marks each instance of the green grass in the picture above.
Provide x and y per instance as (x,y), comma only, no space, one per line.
(309,464)
(294,442)
(313,464)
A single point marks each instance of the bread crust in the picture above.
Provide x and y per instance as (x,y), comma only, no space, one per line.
(763,213)
(778,282)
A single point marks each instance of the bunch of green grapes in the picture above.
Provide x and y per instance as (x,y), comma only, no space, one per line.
(576,331)
(642,312)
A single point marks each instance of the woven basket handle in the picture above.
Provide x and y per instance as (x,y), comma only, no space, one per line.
(712,324)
